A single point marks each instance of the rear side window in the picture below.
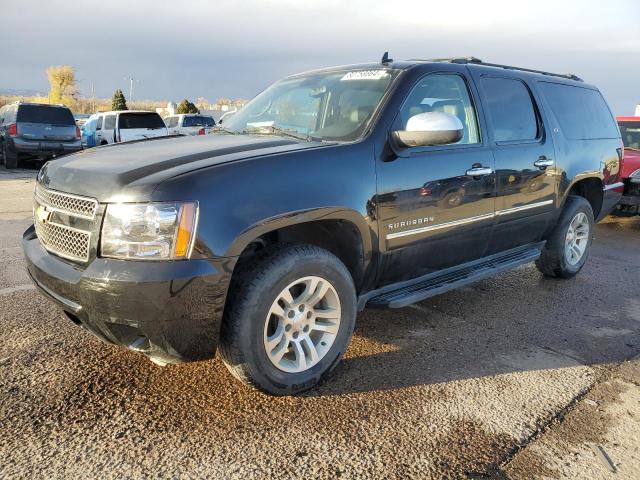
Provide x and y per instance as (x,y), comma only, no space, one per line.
(630,134)
(199,121)
(511,111)
(109,122)
(140,120)
(582,112)
(45,114)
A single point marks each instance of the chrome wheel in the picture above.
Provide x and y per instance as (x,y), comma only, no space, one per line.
(577,238)
(302,324)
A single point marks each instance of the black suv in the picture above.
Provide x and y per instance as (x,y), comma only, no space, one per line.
(330,191)
(36,131)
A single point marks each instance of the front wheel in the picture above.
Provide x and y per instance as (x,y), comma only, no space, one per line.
(290,318)
(567,248)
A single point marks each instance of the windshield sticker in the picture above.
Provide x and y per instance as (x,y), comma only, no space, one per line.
(365,75)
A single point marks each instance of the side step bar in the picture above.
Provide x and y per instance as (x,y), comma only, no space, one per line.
(406,293)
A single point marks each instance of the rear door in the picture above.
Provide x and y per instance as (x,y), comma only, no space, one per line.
(47,125)
(140,125)
(524,159)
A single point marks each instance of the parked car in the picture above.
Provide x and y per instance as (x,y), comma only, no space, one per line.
(35,131)
(127,125)
(81,118)
(267,237)
(630,130)
(88,130)
(189,124)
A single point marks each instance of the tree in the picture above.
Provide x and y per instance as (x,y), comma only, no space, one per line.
(62,80)
(118,102)
(185,106)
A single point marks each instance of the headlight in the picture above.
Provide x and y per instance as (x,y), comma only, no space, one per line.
(149,231)
(635,177)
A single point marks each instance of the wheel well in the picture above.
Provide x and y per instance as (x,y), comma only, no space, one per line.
(340,237)
(591,190)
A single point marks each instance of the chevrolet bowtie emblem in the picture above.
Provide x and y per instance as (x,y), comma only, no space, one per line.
(42,214)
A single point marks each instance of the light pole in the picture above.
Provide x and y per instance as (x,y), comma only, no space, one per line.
(131,80)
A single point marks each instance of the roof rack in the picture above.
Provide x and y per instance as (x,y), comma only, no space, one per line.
(477,61)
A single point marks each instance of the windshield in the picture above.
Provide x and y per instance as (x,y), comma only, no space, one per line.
(321,106)
(45,114)
(630,134)
(140,120)
(199,121)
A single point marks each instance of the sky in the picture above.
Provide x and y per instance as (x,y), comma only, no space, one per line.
(236,48)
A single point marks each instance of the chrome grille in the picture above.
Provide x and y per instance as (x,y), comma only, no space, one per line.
(64,222)
(64,241)
(64,202)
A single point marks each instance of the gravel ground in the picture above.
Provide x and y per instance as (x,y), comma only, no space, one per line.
(489,381)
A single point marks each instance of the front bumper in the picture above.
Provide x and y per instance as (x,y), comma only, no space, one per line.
(170,311)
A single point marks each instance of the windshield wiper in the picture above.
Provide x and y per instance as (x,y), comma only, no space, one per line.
(284,132)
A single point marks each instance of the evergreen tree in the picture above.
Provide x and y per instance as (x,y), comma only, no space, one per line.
(186,106)
(118,101)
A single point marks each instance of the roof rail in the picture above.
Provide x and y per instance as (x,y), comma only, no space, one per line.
(477,61)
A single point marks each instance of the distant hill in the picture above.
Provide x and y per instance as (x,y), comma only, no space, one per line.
(22,92)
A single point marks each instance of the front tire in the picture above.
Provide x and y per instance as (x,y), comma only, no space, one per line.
(567,248)
(289,319)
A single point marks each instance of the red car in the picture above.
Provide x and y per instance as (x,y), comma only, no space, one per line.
(630,130)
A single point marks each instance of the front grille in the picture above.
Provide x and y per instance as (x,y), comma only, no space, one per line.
(64,202)
(64,223)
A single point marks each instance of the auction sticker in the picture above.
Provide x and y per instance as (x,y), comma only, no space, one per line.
(365,75)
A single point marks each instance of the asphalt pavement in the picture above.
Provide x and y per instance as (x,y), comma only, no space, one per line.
(517,376)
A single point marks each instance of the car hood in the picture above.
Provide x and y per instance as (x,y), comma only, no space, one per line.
(131,171)
(631,162)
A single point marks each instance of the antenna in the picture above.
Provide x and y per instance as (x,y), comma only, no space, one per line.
(385,59)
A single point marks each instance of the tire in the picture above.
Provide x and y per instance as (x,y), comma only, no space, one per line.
(452,200)
(556,259)
(250,329)
(2,161)
(10,159)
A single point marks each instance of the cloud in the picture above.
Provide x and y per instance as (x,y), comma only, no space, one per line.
(235,48)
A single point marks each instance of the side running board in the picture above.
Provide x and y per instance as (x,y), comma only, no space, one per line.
(406,293)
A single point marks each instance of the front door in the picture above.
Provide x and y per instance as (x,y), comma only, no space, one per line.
(435,205)
(524,155)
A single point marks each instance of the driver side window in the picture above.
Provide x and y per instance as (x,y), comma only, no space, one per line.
(443,92)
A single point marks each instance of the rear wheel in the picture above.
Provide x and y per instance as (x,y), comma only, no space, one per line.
(10,158)
(290,318)
(567,248)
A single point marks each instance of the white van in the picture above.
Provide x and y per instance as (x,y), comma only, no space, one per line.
(127,125)
(189,124)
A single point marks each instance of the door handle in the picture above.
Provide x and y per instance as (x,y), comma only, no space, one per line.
(479,171)
(543,162)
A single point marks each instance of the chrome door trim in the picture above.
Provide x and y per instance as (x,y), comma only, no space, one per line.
(464,221)
(507,211)
(439,226)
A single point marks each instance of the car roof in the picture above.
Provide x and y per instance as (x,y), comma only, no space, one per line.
(471,62)
(113,112)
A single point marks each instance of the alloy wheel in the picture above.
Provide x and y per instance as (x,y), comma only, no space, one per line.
(302,324)
(577,238)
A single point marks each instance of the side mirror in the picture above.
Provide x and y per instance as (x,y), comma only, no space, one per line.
(430,128)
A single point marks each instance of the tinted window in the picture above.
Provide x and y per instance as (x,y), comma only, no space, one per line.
(199,121)
(443,93)
(109,122)
(140,120)
(45,114)
(510,109)
(99,123)
(630,134)
(582,112)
